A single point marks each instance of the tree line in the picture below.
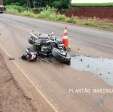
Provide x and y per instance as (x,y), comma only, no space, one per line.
(59,4)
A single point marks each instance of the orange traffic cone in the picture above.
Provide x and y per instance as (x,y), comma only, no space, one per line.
(65,39)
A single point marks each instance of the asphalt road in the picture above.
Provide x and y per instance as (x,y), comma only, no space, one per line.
(58,82)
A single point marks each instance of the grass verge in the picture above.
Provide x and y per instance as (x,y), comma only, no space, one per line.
(52,15)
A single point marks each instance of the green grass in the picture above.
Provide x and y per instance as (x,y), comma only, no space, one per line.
(15,8)
(52,15)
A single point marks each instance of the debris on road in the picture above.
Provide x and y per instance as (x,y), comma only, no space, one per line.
(11,58)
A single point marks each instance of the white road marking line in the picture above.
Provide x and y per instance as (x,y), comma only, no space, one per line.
(37,89)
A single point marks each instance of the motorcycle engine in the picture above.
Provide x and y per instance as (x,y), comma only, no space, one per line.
(45,49)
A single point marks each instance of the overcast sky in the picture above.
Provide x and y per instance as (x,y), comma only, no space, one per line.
(92,1)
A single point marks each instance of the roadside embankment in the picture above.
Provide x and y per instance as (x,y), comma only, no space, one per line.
(52,15)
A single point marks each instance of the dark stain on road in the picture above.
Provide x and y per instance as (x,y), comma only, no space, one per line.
(102,67)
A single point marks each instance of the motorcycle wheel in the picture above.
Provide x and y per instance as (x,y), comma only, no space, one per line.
(23,57)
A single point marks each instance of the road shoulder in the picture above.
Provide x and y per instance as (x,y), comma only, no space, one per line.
(23,87)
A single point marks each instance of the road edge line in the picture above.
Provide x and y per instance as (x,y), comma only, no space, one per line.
(6,54)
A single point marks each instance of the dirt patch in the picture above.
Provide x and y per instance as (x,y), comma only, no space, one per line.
(12,98)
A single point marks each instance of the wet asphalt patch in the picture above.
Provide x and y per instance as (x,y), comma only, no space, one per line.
(102,67)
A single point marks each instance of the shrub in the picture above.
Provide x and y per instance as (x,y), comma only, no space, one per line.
(70,20)
(60,17)
(47,12)
(15,8)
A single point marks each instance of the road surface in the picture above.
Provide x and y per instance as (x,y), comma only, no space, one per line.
(12,97)
(58,82)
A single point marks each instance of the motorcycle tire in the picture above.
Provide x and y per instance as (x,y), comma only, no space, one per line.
(31,41)
(23,57)
(66,59)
